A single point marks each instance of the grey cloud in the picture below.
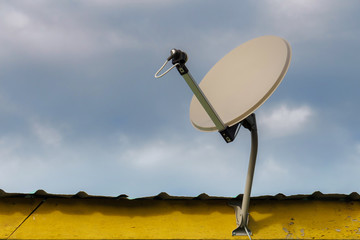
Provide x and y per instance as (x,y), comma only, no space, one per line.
(82,72)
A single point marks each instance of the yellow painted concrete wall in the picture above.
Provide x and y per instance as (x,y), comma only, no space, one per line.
(13,211)
(59,218)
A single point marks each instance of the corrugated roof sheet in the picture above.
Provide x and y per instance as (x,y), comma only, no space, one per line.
(354,196)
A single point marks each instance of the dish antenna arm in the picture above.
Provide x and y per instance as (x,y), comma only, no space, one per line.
(179,58)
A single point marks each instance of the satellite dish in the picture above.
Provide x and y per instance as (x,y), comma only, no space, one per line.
(242,81)
(229,94)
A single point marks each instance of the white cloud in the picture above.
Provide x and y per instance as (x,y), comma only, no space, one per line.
(46,33)
(302,19)
(358,148)
(271,170)
(15,19)
(190,166)
(284,121)
(160,153)
(46,134)
(297,8)
(8,107)
(126,3)
(151,155)
(8,145)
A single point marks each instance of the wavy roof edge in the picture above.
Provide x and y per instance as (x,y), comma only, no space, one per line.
(354,196)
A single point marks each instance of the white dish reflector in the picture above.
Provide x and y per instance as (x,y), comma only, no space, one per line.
(242,81)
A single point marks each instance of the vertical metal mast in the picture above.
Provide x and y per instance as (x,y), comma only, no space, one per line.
(242,214)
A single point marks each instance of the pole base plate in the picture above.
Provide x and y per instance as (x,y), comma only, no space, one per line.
(240,231)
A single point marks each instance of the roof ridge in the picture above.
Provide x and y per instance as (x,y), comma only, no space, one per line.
(317,195)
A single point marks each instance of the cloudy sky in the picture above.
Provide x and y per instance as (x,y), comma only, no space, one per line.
(81,110)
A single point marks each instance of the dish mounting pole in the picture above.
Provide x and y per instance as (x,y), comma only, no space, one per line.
(179,59)
(242,214)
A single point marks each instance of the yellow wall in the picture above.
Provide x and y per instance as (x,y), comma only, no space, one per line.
(60,218)
(13,211)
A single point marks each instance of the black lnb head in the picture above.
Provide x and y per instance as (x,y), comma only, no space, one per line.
(177,56)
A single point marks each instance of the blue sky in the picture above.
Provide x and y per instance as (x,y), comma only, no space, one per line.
(80,109)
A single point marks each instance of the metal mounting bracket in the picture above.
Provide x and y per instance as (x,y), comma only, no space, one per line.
(240,230)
